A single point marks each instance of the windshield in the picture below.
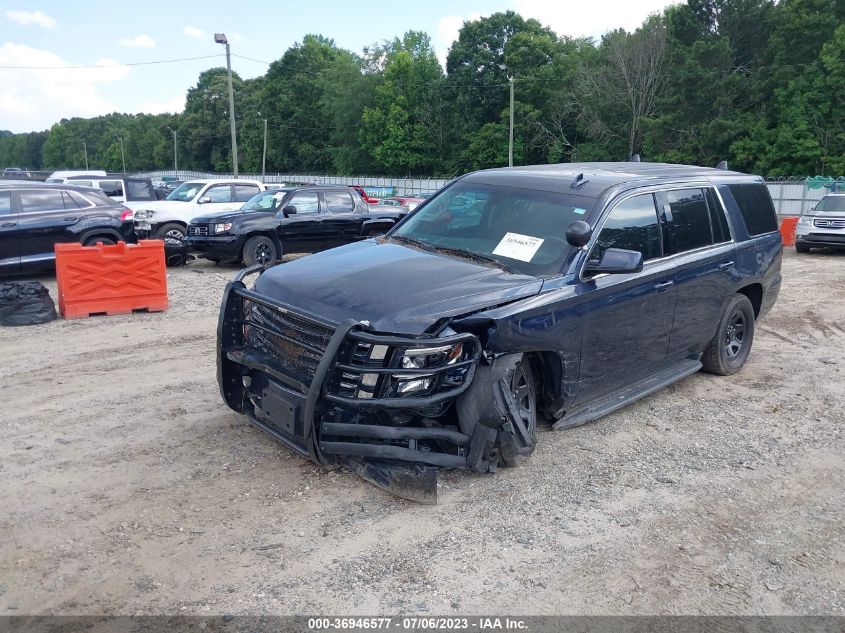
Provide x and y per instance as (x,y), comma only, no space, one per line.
(264,201)
(518,229)
(831,204)
(186,191)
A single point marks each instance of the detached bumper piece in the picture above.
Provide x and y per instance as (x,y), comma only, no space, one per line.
(339,392)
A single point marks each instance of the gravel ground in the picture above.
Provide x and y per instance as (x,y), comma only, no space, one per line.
(128,487)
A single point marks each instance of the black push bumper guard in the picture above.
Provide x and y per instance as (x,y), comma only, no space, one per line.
(235,360)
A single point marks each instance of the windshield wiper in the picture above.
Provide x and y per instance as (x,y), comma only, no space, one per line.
(410,240)
(462,252)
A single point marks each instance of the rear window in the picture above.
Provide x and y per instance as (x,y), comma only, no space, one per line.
(139,190)
(41,200)
(5,202)
(756,207)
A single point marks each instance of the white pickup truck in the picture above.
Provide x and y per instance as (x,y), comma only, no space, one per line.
(169,218)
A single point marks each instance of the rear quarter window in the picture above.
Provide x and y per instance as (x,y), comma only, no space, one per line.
(756,207)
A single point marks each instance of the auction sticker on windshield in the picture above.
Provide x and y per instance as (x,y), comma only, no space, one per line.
(516,246)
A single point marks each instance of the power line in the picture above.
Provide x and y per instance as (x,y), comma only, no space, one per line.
(117,65)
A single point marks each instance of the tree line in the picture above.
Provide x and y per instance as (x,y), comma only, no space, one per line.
(758,83)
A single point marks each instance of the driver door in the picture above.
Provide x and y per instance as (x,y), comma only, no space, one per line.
(627,318)
(215,199)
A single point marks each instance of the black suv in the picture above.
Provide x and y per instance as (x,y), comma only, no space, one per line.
(35,216)
(288,220)
(559,291)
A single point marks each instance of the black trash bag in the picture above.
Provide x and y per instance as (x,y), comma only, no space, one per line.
(25,303)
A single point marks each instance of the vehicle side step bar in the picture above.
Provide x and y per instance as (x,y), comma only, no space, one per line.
(627,395)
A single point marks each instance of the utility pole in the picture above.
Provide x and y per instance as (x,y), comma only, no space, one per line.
(175,156)
(122,154)
(85,149)
(510,133)
(510,137)
(264,155)
(220,38)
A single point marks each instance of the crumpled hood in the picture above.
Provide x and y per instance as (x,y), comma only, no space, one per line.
(396,288)
(158,205)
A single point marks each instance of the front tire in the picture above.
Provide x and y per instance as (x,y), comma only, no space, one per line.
(801,247)
(171,232)
(517,441)
(260,249)
(105,241)
(729,349)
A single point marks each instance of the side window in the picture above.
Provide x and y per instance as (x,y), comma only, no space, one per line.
(70,203)
(305,202)
(41,200)
(80,183)
(81,202)
(718,219)
(112,187)
(686,220)
(338,201)
(219,193)
(632,225)
(139,190)
(756,207)
(245,192)
(5,202)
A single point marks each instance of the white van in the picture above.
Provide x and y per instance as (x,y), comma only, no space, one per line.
(58,177)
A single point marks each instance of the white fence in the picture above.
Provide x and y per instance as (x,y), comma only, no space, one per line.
(791,197)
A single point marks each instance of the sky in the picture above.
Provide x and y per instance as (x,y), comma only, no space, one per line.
(110,38)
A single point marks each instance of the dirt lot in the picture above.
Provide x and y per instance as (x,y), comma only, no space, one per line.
(128,487)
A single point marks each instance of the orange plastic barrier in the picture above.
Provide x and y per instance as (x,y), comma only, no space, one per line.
(787,231)
(111,279)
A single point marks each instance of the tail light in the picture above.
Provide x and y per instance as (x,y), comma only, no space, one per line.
(127,215)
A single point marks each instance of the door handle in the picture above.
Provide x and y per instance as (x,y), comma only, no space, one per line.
(664,286)
(6,225)
(726,266)
(70,219)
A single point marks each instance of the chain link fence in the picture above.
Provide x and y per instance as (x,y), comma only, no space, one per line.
(791,196)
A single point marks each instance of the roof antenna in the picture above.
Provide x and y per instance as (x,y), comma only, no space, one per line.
(723,164)
(634,159)
(579,181)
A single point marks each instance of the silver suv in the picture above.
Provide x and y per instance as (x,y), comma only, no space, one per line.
(823,226)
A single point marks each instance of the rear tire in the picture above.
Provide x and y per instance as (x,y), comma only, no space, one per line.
(802,248)
(729,349)
(516,444)
(260,249)
(105,241)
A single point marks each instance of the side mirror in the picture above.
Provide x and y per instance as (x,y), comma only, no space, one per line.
(578,233)
(204,200)
(374,228)
(616,261)
(289,210)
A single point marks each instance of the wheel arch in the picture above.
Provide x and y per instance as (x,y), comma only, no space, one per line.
(754,292)
(113,234)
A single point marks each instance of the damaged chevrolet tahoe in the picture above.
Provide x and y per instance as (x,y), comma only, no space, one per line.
(556,293)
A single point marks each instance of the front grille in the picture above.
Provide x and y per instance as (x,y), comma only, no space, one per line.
(829,224)
(198,229)
(296,343)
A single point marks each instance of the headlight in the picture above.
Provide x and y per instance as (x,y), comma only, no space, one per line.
(422,357)
(805,219)
(222,228)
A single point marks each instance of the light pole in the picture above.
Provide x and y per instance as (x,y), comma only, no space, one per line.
(175,156)
(220,38)
(122,154)
(85,149)
(264,155)
(510,136)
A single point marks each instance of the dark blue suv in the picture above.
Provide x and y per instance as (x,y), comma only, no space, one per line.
(557,292)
